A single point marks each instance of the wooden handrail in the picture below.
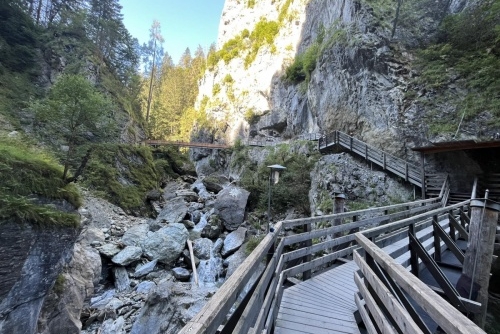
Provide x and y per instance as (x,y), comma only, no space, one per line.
(448,318)
(400,167)
(216,309)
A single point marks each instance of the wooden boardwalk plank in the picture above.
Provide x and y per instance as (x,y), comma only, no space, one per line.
(325,303)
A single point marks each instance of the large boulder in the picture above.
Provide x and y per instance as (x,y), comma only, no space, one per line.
(174,211)
(233,241)
(202,248)
(128,255)
(230,204)
(213,229)
(167,243)
(135,235)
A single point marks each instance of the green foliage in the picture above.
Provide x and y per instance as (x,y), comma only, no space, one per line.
(247,44)
(122,174)
(72,110)
(216,89)
(325,203)
(467,55)
(251,3)
(303,65)
(30,178)
(251,116)
(252,243)
(297,177)
(228,79)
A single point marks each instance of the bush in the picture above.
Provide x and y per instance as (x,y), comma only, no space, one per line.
(303,65)
(251,117)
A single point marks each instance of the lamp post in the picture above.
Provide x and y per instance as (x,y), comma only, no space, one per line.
(274,174)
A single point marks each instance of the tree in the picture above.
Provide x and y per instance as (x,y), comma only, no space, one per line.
(153,50)
(77,112)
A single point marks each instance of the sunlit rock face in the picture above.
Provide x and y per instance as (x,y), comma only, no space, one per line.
(358,84)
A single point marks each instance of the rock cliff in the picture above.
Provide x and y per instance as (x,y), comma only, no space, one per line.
(357,82)
(30,261)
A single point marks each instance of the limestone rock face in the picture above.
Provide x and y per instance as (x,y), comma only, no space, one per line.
(361,72)
(30,261)
(230,204)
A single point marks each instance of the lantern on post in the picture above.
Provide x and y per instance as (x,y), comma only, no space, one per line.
(274,174)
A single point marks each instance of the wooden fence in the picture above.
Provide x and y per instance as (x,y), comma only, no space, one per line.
(259,314)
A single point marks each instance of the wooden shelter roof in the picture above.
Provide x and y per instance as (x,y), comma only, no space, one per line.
(449,146)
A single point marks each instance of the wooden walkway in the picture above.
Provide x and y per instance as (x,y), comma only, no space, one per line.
(326,303)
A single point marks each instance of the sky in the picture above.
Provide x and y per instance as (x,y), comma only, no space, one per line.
(184,23)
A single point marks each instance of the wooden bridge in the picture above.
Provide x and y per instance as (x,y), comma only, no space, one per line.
(156,143)
(382,270)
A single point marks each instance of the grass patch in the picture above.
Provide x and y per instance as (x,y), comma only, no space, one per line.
(30,179)
(253,243)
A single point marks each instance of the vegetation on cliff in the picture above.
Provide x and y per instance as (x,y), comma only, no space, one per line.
(463,68)
(32,189)
(255,177)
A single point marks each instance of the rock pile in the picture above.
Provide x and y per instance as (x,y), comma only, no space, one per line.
(132,274)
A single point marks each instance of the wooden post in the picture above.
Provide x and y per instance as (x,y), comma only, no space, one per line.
(338,207)
(422,172)
(193,264)
(308,273)
(477,263)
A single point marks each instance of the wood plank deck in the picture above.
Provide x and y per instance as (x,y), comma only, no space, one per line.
(325,303)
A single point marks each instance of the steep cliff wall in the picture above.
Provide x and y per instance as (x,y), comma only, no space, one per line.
(358,80)
(30,261)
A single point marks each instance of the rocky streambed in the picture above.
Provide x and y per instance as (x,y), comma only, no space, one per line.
(135,275)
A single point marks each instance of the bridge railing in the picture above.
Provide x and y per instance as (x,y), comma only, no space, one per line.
(408,171)
(261,310)
(384,286)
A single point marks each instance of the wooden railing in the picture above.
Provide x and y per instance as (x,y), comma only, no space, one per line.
(261,310)
(408,171)
(381,285)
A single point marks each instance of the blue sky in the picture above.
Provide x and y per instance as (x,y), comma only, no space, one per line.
(184,23)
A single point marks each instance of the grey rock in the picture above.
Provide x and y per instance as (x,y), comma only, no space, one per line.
(122,282)
(230,205)
(211,185)
(181,274)
(109,250)
(189,224)
(153,195)
(13,134)
(114,304)
(101,301)
(62,308)
(128,255)
(213,229)
(92,235)
(111,326)
(145,269)
(202,248)
(233,241)
(145,287)
(31,259)
(174,211)
(189,196)
(167,243)
(135,235)
(187,259)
